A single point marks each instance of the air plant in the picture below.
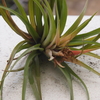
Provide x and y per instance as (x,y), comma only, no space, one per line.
(45,36)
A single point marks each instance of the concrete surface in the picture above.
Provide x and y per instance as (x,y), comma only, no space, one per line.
(54,86)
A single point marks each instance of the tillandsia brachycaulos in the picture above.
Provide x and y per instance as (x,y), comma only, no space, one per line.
(45,36)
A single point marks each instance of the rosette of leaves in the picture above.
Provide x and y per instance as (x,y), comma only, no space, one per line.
(45,36)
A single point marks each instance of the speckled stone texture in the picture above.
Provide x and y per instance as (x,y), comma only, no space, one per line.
(53,83)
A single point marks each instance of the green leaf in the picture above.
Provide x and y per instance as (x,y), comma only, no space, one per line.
(52,29)
(31,77)
(62,11)
(38,16)
(31,13)
(11,23)
(93,55)
(77,22)
(56,39)
(37,75)
(27,64)
(29,50)
(82,43)
(93,40)
(21,9)
(24,46)
(69,79)
(29,27)
(8,65)
(46,28)
(16,50)
(86,66)
(94,47)
(16,70)
(51,2)
(87,35)
(75,75)
(68,38)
